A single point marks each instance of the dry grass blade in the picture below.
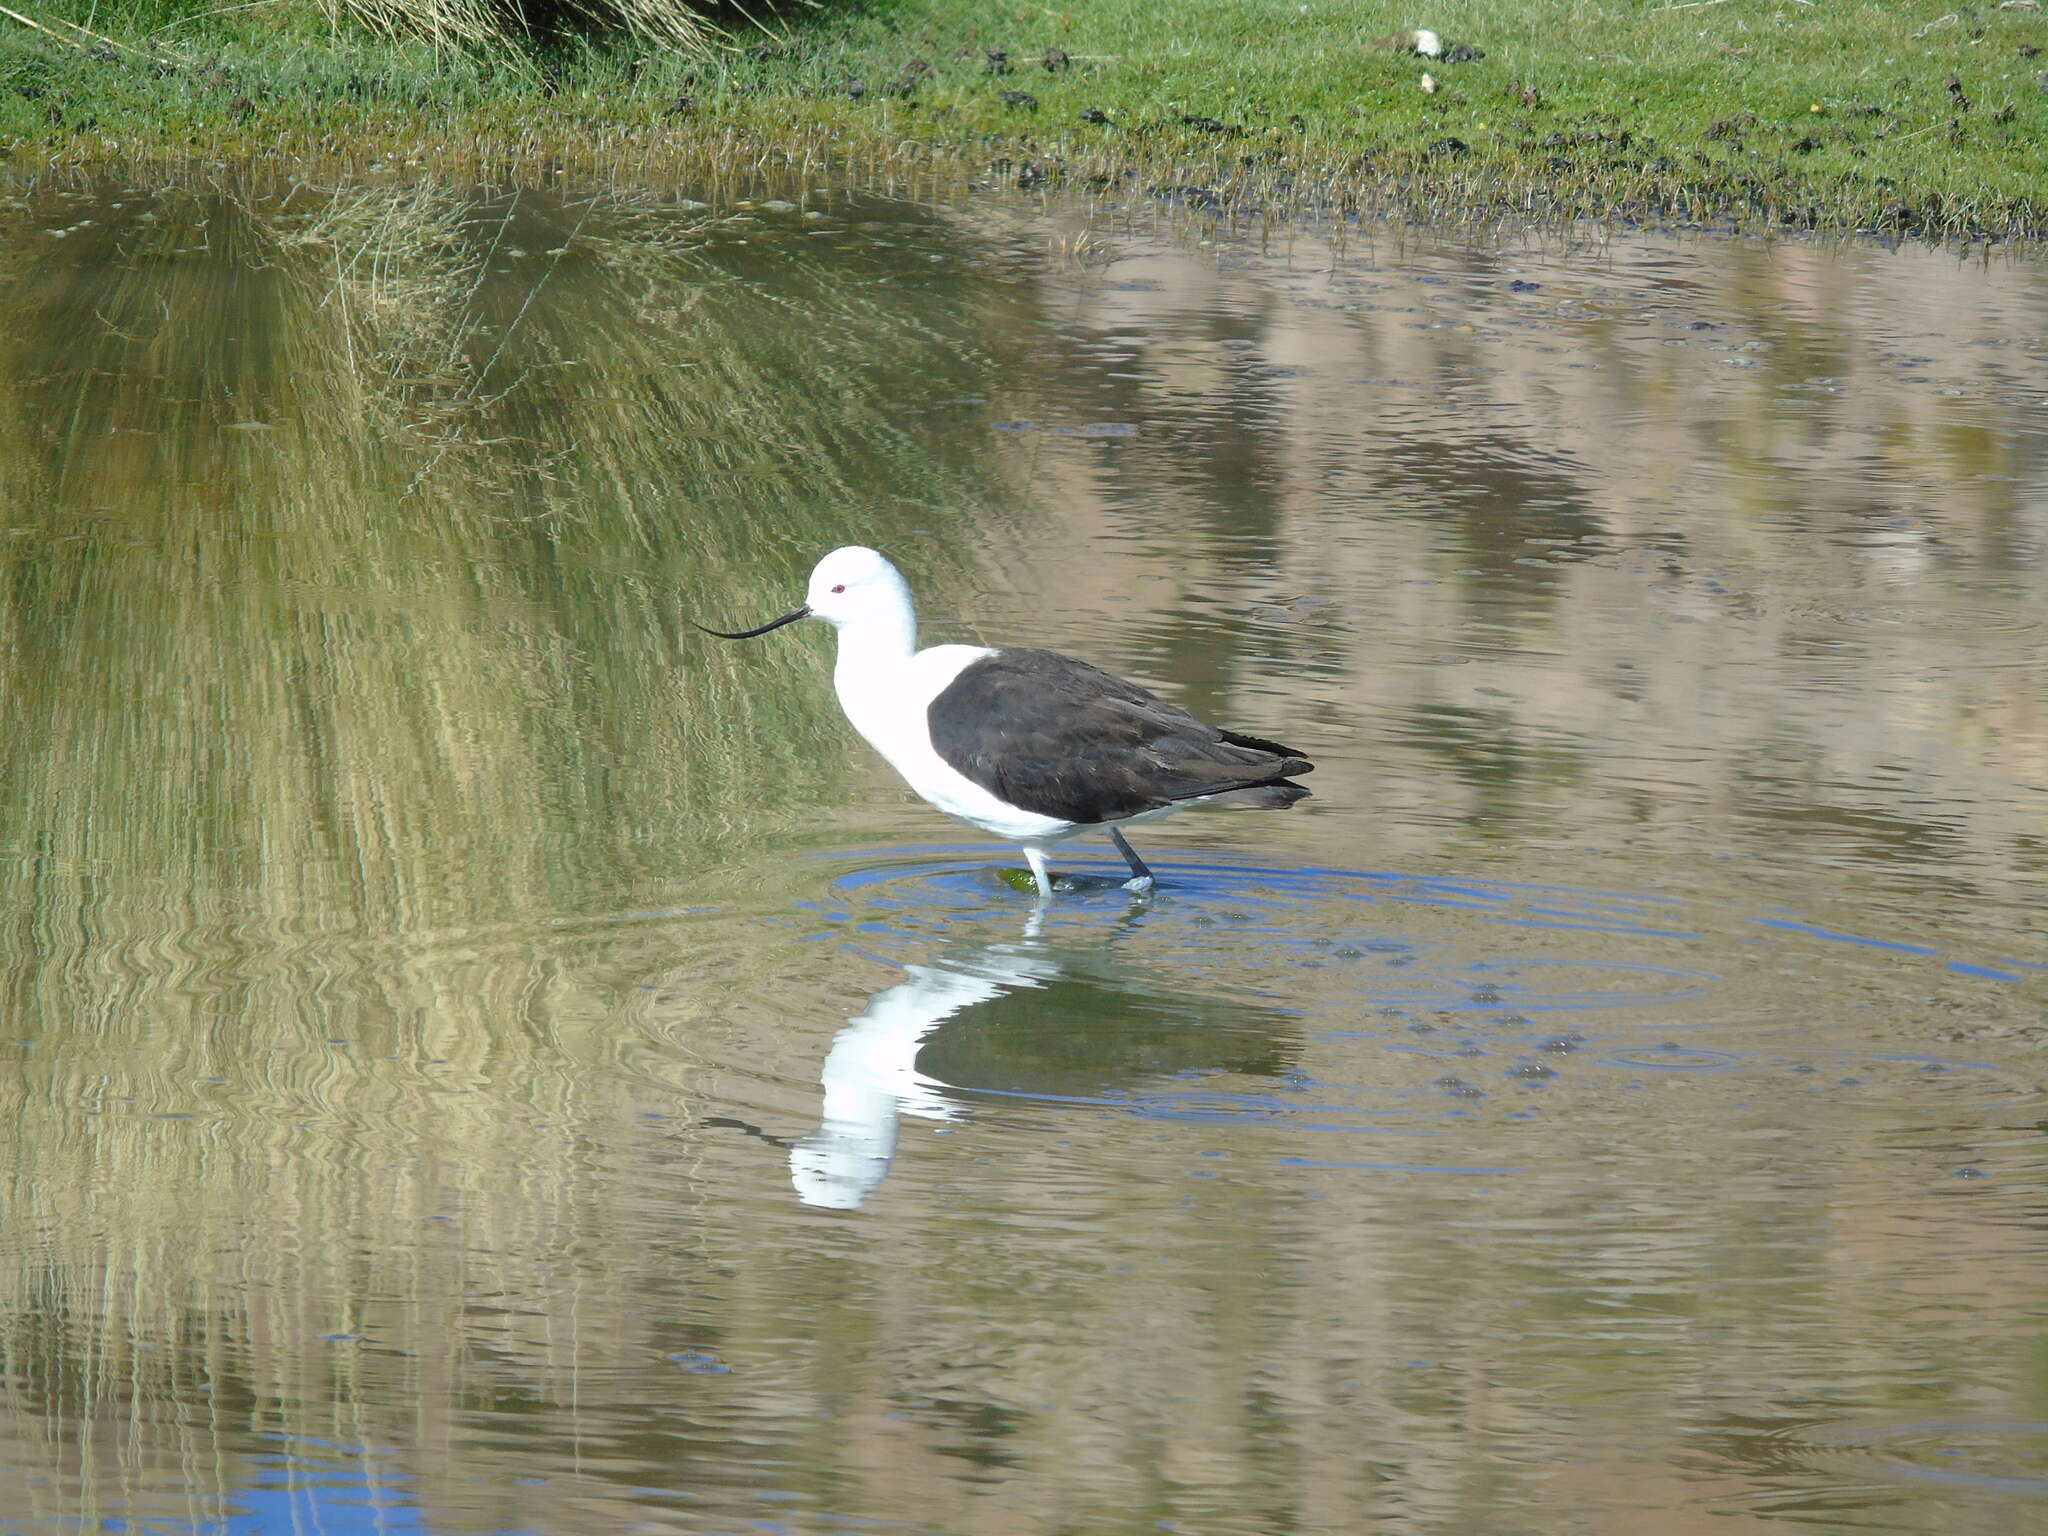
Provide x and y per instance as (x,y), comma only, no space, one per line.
(657,21)
(444,23)
(476,23)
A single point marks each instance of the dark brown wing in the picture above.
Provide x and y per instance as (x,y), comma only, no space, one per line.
(1053,735)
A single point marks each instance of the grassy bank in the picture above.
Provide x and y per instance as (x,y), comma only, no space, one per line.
(1897,115)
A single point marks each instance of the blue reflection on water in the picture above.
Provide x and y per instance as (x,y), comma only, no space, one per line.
(296,1496)
(1841,938)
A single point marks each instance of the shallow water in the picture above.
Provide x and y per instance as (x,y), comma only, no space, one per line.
(480,1059)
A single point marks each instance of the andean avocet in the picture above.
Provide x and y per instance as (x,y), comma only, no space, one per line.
(1029,745)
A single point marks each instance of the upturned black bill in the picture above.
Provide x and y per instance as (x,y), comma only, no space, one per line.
(748,634)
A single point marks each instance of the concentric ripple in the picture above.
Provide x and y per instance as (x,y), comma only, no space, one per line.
(962,877)
(1447,943)
(1986,1455)
(1320,1018)
(1419,998)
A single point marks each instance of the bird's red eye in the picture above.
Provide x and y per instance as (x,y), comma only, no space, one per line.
(840,588)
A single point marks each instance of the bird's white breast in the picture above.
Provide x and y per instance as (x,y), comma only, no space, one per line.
(889,704)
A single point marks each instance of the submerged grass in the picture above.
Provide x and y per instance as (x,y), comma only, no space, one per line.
(1836,114)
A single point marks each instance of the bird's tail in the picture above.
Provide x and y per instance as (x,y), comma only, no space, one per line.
(1291,761)
(1276,796)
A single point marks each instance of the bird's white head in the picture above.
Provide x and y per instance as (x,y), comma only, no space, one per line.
(857,586)
(851,588)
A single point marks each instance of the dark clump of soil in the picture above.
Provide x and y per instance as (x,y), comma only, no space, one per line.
(906,84)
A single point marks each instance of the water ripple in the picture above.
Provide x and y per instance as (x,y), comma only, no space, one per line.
(1987,1455)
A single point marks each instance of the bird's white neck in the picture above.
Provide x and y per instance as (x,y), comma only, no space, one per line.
(874,650)
(877,642)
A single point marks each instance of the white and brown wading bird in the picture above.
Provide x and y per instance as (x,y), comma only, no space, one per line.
(1031,746)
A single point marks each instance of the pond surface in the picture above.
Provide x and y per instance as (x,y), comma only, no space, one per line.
(481,1058)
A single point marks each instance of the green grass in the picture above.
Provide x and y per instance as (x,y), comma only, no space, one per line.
(1834,114)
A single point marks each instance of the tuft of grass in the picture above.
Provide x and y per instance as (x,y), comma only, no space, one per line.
(1870,115)
(444,23)
(485,24)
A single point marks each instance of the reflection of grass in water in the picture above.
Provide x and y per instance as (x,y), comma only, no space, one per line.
(383,586)
(334,660)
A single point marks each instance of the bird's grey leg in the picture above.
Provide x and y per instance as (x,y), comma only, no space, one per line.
(1141,877)
(1035,857)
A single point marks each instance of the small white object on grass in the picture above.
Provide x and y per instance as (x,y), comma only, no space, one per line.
(1416,40)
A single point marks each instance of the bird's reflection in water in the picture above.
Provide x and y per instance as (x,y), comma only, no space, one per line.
(871,1077)
(1024,1018)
